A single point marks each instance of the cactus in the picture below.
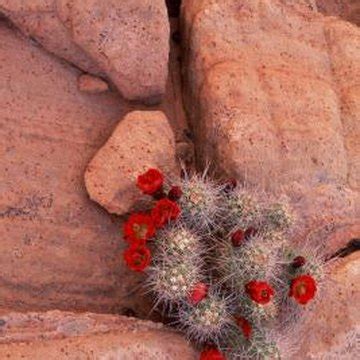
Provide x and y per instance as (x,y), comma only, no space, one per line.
(172,281)
(179,242)
(242,208)
(228,272)
(257,257)
(206,321)
(200,202)
(278,216)
(262,345)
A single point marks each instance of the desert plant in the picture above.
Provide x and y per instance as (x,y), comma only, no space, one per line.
(223,264)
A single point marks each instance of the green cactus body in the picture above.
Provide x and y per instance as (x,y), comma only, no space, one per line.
(207,320)
(200,248)
(173,281)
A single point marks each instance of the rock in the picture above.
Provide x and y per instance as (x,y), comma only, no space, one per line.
(92,84)
(333,332)
(63,335)
(58,249)
(127,41)
(346,9)
(271,90)
(143,139)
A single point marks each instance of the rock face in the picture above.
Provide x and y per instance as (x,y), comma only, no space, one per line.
(58,248)
(128,41)
(346,9)
(62,335)
(143,139)
(271,89)
(334,330)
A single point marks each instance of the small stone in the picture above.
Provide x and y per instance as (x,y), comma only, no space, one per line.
(92,84)
(142,140)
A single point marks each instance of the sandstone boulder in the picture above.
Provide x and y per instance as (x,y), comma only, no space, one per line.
(272,93)
(63,335)
(58,249)
(347,9)
(143,139)
(128,41)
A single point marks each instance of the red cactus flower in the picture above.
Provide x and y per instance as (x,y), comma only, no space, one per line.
(298,262)
(175,193)
(237,238)
(303,289)
(164,211)
(259,291)
(250,232)
(212,354)
(139,227)
(198,293)
(137,257)
(245,326)
(150,182)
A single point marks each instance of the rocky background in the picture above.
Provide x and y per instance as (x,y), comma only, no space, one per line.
(94,92)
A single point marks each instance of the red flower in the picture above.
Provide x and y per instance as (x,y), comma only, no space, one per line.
(259,291)
(164,211)
(212,354)
(137,257)
(139,227)
(237,238)
(198,293)
(298,262)
(245,326)
(303,289)
(150,182)
(175,193)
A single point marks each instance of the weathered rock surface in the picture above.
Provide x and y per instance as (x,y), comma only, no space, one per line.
(58,248)
(128,41)
(347,9)
(273,94)
(334,330)
(62,335)
(92,84)
(143,139)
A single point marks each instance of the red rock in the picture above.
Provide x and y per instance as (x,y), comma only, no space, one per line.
(92,84)
(142,140)
(272,94)
(127,41)
(58,249)
(63,335)
(346,9)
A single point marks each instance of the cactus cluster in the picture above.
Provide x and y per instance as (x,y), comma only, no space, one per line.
(224,267)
